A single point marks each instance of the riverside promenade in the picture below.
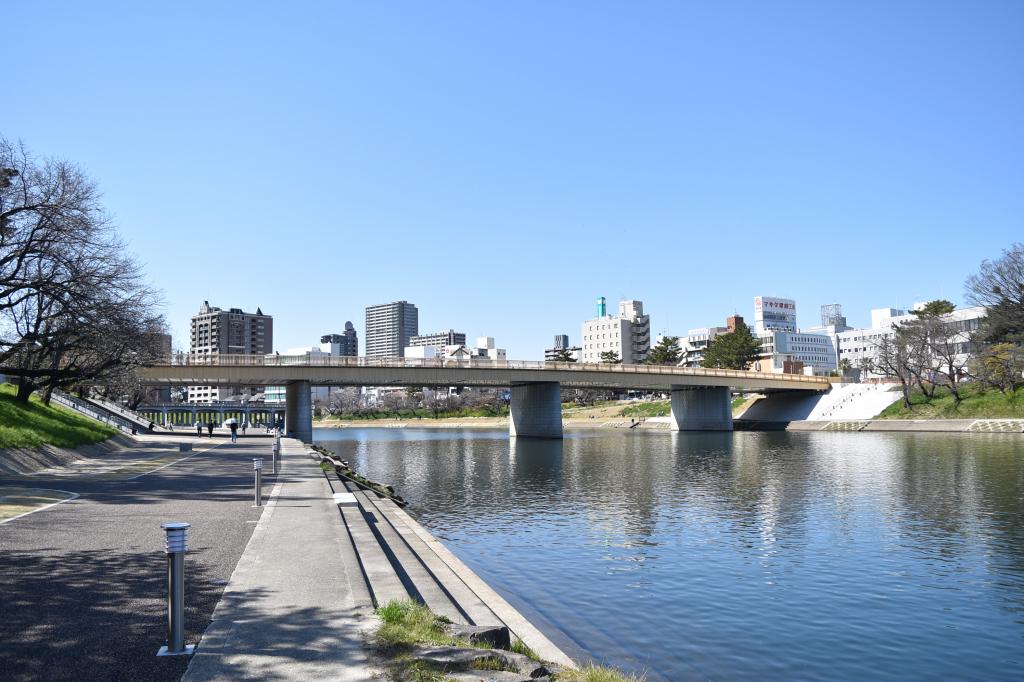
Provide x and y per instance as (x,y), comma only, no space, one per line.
(296,606)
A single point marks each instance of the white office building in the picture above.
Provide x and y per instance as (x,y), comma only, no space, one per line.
(860,346)
(796,352)
(627,334)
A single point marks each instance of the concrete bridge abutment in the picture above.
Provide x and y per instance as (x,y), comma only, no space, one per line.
(536,410)
(298,411)
(701,409)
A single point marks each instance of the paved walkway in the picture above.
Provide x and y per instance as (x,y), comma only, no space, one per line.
(83,583)
(297,607)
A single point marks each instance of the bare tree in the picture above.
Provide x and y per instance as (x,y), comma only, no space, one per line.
(73,307)
(892,360)
(999,286)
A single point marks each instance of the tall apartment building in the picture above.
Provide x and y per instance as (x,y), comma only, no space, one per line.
(628,334)
(227,332)
(389,328)
(439,340)
(341,345)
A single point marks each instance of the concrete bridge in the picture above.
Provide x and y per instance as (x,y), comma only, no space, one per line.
(700,397)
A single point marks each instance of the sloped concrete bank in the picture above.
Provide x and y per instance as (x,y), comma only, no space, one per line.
(30,460)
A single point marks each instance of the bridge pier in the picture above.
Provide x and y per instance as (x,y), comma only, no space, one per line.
(701,409)
(536,410)
(298,411)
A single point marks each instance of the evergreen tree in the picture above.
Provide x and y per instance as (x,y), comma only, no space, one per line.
(667,352)
(563,355)
(611,357)
(735,350)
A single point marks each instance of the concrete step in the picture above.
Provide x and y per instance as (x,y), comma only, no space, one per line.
(384,582)
(465,599)
(417,579)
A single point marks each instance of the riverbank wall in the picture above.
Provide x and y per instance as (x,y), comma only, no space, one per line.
(910,425)
(399,560)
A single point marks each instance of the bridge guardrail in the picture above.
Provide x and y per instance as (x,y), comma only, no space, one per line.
(232,360)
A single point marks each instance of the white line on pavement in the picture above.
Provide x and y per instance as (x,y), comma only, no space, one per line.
(74,496)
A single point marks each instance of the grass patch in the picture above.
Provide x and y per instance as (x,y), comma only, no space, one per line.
(407,623)
(404,624)
(597,673)
(417,671)
(520,647)
(33,424)
(491,663)
(979,402)
(653,408)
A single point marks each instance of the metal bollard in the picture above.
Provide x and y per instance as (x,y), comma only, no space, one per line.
(176,546)
(257,465)
(277,453)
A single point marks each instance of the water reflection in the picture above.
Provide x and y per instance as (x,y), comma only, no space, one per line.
(747,555)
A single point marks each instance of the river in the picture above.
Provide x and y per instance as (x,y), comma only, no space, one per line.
(753,556)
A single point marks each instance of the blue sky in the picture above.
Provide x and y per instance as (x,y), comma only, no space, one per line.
(501,166)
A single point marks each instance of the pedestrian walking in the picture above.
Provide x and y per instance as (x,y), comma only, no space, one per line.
(209,428)
(245,425)
(234,431)
(199,428)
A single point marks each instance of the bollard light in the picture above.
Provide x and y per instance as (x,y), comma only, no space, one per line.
(277,453)
(257,465)
(176,544)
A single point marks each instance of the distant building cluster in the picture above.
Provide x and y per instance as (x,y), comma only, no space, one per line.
(392,331)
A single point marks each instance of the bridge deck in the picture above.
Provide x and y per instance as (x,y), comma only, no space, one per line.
(359,371)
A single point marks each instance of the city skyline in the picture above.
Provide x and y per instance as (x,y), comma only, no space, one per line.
(494,162)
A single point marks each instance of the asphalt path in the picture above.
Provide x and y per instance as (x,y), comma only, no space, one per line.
(83,584)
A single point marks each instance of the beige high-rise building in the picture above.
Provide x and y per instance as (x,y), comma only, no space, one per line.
(227,332)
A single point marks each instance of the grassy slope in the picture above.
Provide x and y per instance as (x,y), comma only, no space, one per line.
(978,403)
(35,424)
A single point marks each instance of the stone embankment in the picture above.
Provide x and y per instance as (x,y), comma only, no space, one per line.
(912,425)
(401,560)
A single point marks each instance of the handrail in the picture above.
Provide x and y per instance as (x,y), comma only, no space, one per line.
(82,407)
(233,360)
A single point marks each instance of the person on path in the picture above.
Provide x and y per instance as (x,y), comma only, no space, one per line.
(209,428)
(199,428)
(245,425)
(234,431)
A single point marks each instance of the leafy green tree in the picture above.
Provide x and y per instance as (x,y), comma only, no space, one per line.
(666,352)
(563,355)
(611,357)
(735,350)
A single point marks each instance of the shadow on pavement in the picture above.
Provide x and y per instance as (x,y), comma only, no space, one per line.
(102,616)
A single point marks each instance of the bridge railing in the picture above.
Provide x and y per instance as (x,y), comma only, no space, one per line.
(238,360)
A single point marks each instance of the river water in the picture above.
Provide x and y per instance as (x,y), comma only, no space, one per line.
(751,556)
